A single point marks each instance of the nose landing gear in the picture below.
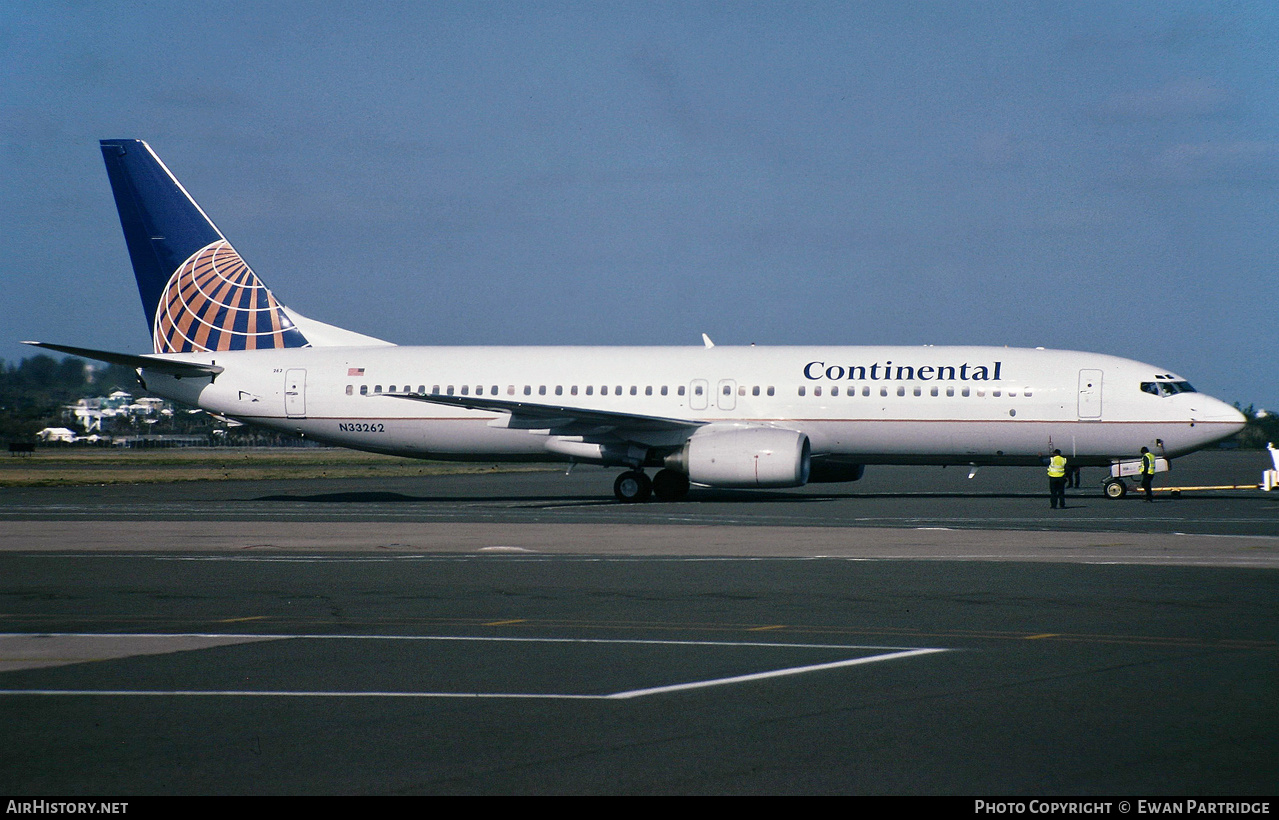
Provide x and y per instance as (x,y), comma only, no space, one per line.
(1115,488)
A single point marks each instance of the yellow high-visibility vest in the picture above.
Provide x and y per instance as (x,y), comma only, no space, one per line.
(1057,467)
(1147,463)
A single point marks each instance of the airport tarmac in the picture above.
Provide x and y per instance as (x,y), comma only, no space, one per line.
(917,633)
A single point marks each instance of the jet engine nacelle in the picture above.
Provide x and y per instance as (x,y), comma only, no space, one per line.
(745,457)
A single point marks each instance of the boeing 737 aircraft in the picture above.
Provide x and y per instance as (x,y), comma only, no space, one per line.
(712,416)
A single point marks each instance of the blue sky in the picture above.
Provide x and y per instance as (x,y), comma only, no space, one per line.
(1094,176)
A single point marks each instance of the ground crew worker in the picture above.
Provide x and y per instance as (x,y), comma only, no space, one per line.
(1147,472)
(1057,479)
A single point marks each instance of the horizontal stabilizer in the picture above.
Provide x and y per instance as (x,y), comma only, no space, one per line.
(154,363)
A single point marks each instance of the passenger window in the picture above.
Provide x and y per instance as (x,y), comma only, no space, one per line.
(465,389)
(364,390)
(350,388)
(834,391)
(801,389)
(590,389)
(435,389)
(559,390)
(663,390)
(572,391)
(919,391)
(510,390)
(421,388)
(755,390)
(770,391)
(965,391)
(648,391)
(866,390)
(634,390)
(950,391)
(817,391)
(901,390)
(604,390)
(995,393)
(541,390)
(528,390)
(377,389)
(883,391)
(449,390)
(679,390)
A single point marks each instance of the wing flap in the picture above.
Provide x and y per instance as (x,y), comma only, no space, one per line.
(532,416)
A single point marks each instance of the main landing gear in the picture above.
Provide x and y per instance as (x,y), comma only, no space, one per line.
(633,486)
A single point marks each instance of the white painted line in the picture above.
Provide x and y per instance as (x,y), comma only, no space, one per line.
(181,693)
(777,673)
(478,639)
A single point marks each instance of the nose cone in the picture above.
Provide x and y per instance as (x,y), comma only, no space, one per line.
(1225,419)
(1233,416)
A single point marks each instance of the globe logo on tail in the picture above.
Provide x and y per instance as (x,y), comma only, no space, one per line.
(214,301)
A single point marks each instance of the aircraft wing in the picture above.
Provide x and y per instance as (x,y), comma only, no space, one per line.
(560,419)
(169,366)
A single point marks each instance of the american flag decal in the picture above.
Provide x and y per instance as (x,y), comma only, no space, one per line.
(355,371)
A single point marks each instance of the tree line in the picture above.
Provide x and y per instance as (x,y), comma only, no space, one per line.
(35,391)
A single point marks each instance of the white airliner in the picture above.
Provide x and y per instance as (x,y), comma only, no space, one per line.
(714,416)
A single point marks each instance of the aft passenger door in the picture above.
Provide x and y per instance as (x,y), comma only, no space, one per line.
(295,393)
(1089,394)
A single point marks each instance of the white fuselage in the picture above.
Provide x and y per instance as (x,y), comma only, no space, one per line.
(874,405)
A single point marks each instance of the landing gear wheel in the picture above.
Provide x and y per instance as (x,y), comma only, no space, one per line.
(633,486)
(670,485)
(1115,488)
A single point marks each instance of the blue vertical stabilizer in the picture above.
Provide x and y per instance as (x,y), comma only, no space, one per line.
(198,293)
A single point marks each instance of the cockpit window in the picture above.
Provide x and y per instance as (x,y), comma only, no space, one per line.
(1166,388)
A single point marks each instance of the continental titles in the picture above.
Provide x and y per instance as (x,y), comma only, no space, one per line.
(966,372)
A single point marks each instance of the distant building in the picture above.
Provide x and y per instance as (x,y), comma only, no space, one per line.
(61,435)
(89,412)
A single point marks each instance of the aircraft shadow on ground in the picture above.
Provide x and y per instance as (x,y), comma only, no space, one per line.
(695,496)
